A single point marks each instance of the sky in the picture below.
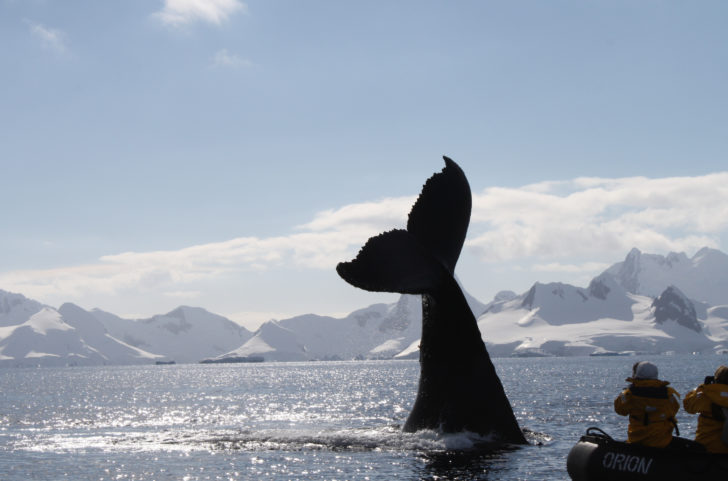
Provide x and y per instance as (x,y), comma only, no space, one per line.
(228,154)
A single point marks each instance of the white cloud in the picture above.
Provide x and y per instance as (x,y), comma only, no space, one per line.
(588,217)
(585,267)
(225,59)
(171,272)
(570,227)
(183,294)
(50,38)
(182,12)
(383,214)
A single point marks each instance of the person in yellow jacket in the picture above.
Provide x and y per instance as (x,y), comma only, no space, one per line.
(651,406)
(710,400)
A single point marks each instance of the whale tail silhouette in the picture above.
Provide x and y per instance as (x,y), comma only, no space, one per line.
(414,261)
(459,388)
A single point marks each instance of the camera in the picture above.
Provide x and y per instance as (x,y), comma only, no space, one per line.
(709,380)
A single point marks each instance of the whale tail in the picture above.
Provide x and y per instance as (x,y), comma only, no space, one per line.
(414,261)
(459,388)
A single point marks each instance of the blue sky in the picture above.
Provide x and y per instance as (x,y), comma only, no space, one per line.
(227,154)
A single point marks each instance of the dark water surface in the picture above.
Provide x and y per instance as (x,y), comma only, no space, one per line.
(286,421)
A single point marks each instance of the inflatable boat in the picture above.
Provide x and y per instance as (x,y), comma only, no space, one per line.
(599,457)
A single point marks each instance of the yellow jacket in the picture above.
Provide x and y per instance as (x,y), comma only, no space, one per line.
(651,406)
(706,400)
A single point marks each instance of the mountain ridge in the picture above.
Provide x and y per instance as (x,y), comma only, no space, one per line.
(646,303)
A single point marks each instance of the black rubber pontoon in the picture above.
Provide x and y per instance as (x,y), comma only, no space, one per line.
(599,457)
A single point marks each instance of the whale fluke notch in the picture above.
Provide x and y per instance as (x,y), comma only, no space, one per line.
(459,389)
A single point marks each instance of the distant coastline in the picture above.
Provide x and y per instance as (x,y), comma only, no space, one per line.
(232,360)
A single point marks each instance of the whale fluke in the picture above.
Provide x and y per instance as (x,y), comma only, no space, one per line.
(459,389)
(392,262)
(439,218)
(412,261)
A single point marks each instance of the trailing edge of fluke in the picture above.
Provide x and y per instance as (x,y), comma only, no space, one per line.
(459,389)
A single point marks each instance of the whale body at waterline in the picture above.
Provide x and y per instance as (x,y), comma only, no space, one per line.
(459,389)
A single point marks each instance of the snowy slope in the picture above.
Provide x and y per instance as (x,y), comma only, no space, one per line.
(559,304)
(186,334)
(32,334)
(35,335)
(272,342)
(716,324)
(704,277)
(517,329)
(647,304)
(378,331)
(113,350)
(16,308)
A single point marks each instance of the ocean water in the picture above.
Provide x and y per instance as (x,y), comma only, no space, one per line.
(307,421)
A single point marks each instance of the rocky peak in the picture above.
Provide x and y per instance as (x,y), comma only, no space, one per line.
(504,296)
(629,271)
(530,298)
(598,288)
(407,308)
(672,304)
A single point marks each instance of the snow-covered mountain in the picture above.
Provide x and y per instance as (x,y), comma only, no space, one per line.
(186,334)
(378,331)
(642,324)
(636,305)
(640,304)
(16,308)
(673,305)
(32,334)
(704,277)
(560,304)
(646,303)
